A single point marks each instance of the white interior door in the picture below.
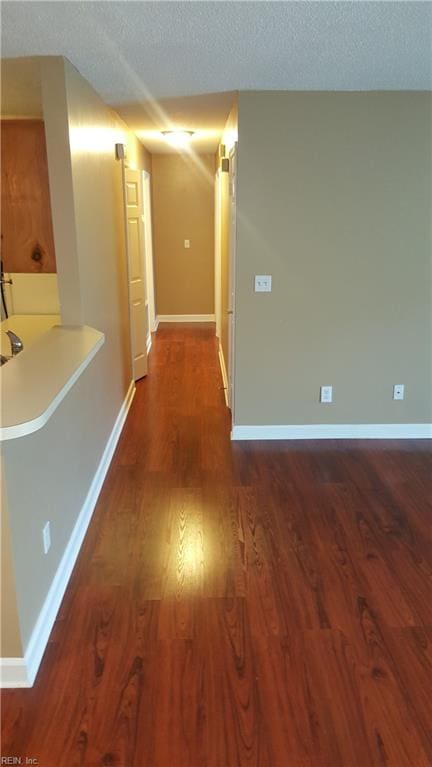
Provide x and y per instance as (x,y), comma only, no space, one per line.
(231,276)
(136,271)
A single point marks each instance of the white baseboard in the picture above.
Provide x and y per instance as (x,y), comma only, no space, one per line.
(14,673)
(224,374)
(335,431)
(186,318)
(149,342)
(21,672)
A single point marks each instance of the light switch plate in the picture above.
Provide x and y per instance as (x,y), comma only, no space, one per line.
(187,243)
(263,283)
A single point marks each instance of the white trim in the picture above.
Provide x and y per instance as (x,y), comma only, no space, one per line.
(13,673)
(149,343)
(217,250)
(232,276)
(335,431)
(148,246)
(185,318)
(21,672)
(224,374)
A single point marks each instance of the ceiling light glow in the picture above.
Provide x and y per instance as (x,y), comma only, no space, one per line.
(178,138)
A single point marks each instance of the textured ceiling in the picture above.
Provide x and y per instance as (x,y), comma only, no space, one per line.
(133,52)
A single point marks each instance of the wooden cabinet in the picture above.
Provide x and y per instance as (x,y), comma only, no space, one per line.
(26,225)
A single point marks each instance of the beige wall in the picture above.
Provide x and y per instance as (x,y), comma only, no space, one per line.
(99,223)
(59,461)
(183,208)
(137,156)
(334,201)
(10,635)
(56,119)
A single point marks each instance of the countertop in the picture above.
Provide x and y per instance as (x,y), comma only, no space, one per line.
(35,381)
(27,326)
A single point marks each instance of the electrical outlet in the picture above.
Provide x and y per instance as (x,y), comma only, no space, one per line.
(398,391)
(263,283)
(46,537)
(326,394)
(187,243)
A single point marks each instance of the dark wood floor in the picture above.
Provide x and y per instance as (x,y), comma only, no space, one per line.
(239,605)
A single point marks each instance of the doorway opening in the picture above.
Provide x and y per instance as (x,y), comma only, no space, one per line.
(188,199)
(225,252)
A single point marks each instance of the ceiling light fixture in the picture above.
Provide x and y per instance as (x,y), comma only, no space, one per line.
(178,138)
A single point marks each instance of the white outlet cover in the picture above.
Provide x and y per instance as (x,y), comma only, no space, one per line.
(263,283)
(326,394)
(187,243)
(398,391)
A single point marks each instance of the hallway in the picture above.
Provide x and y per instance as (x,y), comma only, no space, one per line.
(239,604)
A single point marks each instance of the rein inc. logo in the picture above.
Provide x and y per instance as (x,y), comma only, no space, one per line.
(18,760)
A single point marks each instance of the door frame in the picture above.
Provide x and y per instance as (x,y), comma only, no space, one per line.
(232,275)
(148,250)
(218,251)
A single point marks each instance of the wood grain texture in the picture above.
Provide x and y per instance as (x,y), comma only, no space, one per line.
(26,224)
(239,604)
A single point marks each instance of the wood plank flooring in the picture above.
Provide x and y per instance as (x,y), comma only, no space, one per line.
(239,604)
